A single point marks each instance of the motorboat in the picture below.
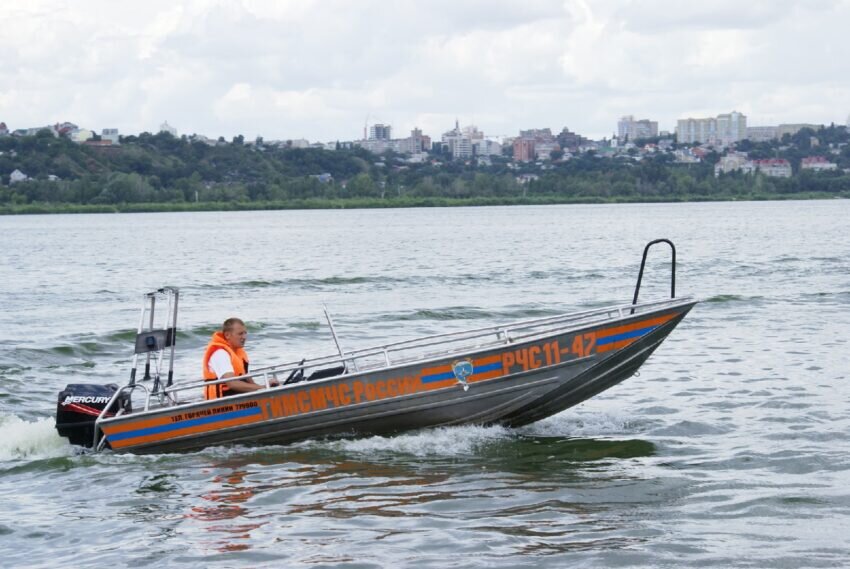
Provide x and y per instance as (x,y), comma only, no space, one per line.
(512,374)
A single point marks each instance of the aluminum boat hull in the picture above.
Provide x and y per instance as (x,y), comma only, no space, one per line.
(514,383)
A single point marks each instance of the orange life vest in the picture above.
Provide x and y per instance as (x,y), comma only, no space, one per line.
(238,359)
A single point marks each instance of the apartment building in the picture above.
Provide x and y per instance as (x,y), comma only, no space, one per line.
(524,150)
(380,132)
(731,162)
(817,164)
(460,141)
(630,129)
(722,130)
(792,129)
(775,167)
(762,133)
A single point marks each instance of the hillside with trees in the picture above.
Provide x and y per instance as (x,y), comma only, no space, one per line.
(160,171)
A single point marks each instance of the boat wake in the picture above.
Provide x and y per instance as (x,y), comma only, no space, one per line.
(444,441)
(37,440)
(587,424)
(470,440)
(31,440)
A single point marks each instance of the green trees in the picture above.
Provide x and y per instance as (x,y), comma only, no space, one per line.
(362,186)
(160,168)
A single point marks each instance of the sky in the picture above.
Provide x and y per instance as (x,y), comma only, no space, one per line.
(322,70)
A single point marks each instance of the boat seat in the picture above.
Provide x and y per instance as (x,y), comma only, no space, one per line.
(327,372)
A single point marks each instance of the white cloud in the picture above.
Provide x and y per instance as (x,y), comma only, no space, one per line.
(164,24)
(318,69)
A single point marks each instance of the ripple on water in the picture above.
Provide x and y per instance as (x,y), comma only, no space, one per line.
(729,450)
(691,429)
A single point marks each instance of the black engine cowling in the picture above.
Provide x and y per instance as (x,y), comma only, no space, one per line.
(78,407)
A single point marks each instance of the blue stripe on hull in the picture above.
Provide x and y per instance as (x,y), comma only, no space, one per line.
(624,336)
(451,375)
(185,424)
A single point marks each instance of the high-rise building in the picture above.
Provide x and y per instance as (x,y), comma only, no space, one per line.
(459,142)
(524,150)
(485,147)
(473,133)
(690,130)
(731,127)
(623,126)
(380,132)
(723,130)
(462,148)
(630,129)
(415,143)
(421,142)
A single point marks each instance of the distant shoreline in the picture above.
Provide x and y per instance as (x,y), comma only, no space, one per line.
(387,203)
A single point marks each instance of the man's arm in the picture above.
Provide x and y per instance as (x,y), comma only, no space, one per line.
(246,385)
(242,385)
(220,364)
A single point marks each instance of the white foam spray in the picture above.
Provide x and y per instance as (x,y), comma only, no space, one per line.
(584,424)
(445,441)
(29,440)
(471,439)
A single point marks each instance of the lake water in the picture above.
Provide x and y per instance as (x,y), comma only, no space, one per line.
(731,448)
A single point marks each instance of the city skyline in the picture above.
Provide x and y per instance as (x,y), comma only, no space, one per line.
(324,71)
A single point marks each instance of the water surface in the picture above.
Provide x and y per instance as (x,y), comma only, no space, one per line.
(730,449)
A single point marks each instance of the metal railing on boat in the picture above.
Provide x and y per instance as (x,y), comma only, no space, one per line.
(394,354)
(420,349)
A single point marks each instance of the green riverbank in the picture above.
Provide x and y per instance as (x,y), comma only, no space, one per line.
(376,203)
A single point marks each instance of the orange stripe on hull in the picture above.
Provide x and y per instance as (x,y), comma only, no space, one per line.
(651,323)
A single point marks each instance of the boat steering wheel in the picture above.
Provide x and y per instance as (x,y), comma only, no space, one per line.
(297,374)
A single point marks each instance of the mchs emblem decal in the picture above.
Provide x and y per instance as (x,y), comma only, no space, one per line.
(462,370)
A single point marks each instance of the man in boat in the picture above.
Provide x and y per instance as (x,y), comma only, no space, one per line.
(225,357)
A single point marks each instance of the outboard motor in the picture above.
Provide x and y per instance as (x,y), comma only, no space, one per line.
(78,407)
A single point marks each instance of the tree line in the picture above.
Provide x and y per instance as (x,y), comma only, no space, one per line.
(163,169)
